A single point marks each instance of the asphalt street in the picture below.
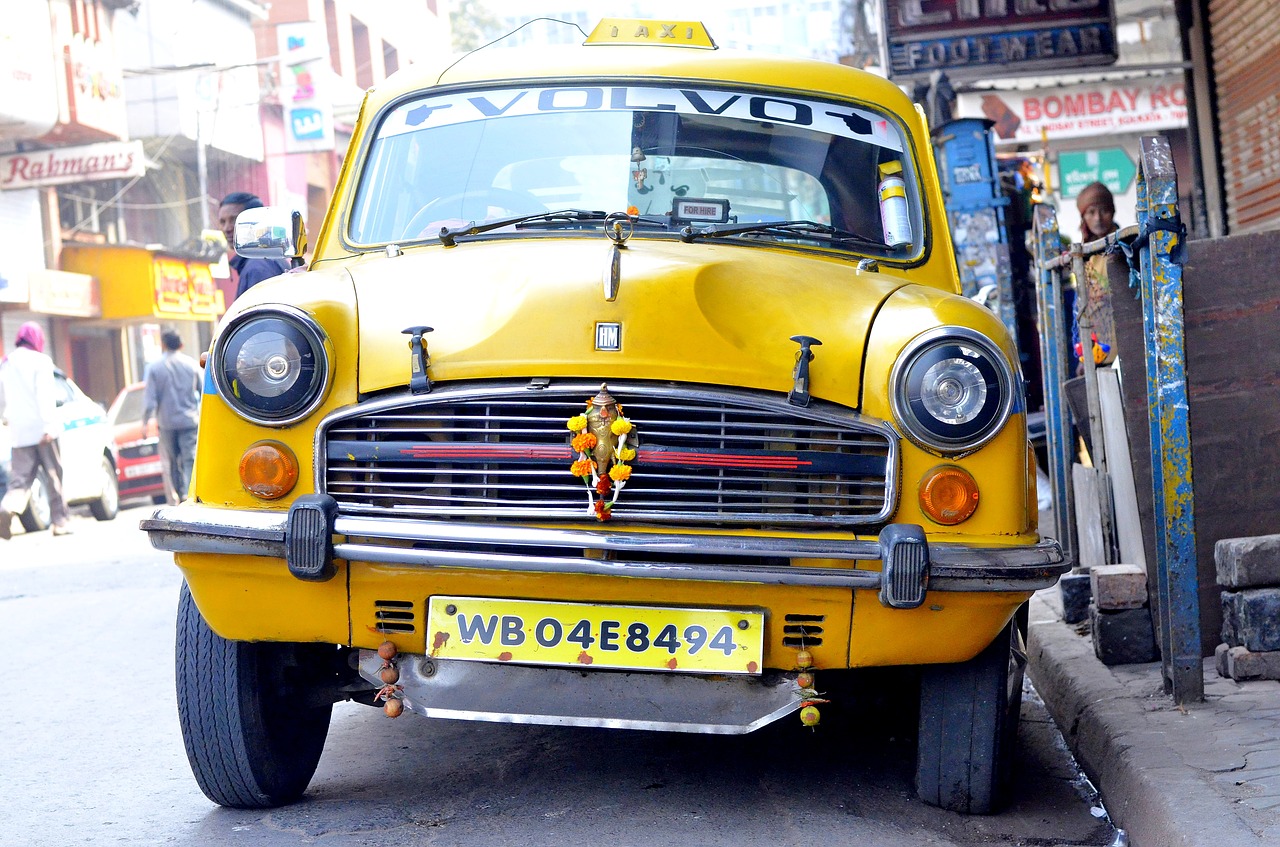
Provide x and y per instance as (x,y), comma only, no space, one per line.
(92,752)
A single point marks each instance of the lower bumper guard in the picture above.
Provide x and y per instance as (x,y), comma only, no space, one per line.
(313,534)
(553,696)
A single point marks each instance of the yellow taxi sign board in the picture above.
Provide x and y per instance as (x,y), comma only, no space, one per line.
(660,33)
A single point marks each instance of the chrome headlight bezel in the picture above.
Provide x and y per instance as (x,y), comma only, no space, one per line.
(300,398)
(980,354)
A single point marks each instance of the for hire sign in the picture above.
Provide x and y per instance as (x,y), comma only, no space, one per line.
(60,165)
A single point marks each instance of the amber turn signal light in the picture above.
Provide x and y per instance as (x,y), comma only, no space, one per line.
(268,470)
(948,495)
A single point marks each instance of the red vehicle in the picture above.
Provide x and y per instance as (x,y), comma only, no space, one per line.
(139,468)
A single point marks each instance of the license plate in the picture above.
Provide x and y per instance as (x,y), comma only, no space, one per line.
(580,635)
(134,471)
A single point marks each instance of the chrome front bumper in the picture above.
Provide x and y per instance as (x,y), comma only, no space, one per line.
(194,528)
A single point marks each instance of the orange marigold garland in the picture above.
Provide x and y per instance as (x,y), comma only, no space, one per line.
(600,442)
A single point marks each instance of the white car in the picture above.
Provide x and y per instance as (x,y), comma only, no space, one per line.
(88,460)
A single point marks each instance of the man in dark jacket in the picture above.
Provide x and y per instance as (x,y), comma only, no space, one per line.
(248,272)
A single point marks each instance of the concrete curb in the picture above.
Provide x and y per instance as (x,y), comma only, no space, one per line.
(1128,746)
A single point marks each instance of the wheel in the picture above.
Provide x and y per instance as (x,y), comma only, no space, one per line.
(969,726)
(107,506)
(251,729)
(509,201)
(39,514)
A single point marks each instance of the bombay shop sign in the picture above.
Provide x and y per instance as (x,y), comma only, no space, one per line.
(986,38)
(61,165)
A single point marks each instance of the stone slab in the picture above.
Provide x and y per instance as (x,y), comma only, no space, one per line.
(1251,618)
(1087,485)
(1248,562)
(1124,637)
(1076,590)
(1240,663)
(1120,468)
(1118,586)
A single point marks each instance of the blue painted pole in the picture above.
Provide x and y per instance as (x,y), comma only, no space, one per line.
(1167,408)
(1053,359)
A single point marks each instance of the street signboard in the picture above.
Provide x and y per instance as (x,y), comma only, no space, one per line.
(991,38)
(1098,108)
(308,107)
(1110,166)
(63,165)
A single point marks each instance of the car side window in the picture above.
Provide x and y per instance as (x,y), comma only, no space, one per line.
(63,394)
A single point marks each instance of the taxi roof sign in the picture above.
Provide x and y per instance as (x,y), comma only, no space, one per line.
(660,33)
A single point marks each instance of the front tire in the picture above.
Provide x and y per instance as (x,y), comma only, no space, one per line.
(253,737)
(38,516)
(107,506)
(969,726)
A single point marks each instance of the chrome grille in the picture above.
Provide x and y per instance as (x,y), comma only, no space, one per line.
(705,457)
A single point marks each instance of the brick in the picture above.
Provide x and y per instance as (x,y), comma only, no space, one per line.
(1251,618)
(1123,637)
(1220,659)
(1239,663)
(1118,586)
(1075,596)
(1248,562)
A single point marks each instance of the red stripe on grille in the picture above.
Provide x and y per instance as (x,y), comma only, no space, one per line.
(483,451)
(720,460)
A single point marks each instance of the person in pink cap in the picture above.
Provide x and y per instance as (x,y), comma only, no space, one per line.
(28,405)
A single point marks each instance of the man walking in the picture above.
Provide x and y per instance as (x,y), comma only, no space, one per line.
(172,397)
(28,403)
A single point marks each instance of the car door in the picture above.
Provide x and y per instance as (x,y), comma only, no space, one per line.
(83,436)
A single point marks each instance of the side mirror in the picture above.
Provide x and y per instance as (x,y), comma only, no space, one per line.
(270,232)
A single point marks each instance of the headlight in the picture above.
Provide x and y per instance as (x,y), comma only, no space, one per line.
(952,389)
(270,365)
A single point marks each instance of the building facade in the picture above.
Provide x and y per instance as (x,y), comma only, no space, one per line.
(122,124)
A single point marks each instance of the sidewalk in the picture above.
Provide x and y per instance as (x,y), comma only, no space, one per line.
(1208,776)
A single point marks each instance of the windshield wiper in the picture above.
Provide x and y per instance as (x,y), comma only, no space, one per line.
(641,221)
(560,218)
(448,236)
(802,229)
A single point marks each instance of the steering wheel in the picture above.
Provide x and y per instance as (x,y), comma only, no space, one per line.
(511,202)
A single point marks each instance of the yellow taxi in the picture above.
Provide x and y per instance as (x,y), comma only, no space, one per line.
(628,385)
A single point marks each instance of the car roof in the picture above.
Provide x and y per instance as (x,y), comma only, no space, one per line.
(636,63)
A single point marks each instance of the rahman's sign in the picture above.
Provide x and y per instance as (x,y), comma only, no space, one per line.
(60,165)
(969,38)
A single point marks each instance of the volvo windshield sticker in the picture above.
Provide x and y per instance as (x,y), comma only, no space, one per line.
(815,115)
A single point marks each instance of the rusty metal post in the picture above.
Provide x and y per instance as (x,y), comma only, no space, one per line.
(1053,360)
(1161,240)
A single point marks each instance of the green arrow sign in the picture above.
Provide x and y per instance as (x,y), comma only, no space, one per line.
(1110,166)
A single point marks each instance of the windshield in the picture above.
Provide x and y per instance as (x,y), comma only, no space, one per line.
(129,409)
(677,157)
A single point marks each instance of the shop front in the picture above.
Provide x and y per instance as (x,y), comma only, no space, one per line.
(1077,134)
(143,293)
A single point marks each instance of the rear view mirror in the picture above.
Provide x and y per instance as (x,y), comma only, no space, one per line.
(270,232)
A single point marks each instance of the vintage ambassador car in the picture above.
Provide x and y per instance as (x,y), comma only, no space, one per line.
(628,385)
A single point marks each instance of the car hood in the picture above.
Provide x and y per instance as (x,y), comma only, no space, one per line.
(702,313)
(127,432)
